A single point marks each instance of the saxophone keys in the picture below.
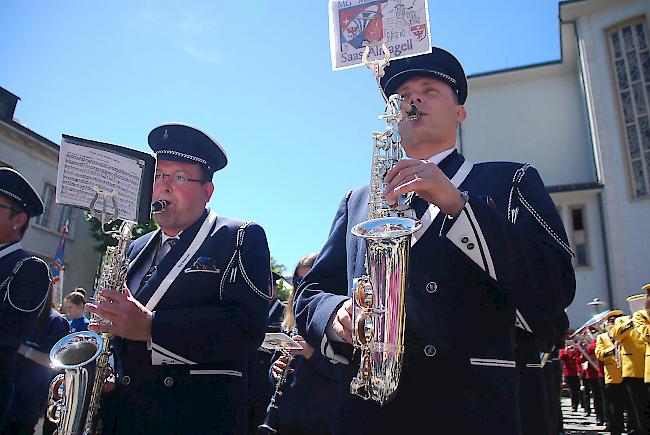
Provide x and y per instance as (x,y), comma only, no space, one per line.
(364,297)
(366,368)
(365,329)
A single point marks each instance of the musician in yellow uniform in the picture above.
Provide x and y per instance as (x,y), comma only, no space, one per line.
(632,354)
(641,320)
(614,389)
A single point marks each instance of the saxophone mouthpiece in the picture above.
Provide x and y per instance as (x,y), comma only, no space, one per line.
(412,112)
(158,206)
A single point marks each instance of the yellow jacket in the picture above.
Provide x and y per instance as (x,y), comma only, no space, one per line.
(632,347)
(605,353)
(641,321)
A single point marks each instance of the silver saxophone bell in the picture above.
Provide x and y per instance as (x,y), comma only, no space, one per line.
(158,206)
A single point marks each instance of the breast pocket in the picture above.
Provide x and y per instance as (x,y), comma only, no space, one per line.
(203,265)
(200,281)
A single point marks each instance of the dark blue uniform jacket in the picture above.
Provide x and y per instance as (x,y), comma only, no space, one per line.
(465,281)
(32,380)
(212,317)
(24,282)
(310,398)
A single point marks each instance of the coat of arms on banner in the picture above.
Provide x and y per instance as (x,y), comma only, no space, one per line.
(402,24)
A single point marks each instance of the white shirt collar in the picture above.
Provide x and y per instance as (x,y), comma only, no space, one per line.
(165,237)
(437,158)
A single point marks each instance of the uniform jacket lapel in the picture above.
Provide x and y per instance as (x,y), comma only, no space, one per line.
(172,257)
(358,212)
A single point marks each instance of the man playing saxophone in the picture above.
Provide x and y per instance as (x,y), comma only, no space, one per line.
(491,242)
(195,306)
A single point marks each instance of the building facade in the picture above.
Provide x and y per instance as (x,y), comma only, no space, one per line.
(37,158)
(583,122)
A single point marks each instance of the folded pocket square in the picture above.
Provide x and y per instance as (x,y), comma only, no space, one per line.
(203,264)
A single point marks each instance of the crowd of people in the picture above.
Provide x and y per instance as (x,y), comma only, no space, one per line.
(489,277)
(606,362)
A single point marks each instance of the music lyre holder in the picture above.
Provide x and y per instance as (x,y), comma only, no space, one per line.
(377,66)
(102,215)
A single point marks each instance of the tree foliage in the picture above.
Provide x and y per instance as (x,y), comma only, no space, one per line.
(283,288)
(103,240)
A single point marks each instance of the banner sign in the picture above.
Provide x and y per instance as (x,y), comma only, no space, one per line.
(402,24)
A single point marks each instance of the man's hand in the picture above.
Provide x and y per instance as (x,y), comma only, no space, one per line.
(109,385)
(278,367)
(307,351)
(428,181)
(129,318)
(342,324)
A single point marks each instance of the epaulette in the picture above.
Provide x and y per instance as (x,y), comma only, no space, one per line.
(7,283)
(236,264)
(513,212)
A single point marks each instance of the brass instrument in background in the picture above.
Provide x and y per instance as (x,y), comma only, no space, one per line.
(75,395)
(378,308)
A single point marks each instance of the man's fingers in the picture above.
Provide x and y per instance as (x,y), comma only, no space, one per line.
(412,185)
(402,175)
(348,306)
(112,295)
(127,292)
(104,307)
(344,317)
(399,166)
(345,334)
(101,327)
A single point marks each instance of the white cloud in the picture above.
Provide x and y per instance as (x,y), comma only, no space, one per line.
(202,55)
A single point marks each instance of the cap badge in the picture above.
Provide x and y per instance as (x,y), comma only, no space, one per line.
(165,135)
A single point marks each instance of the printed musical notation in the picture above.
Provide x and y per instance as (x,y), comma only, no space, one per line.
(83,169)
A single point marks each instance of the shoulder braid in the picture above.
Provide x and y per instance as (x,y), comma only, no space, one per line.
(512,212)
(7,283)
(235,264)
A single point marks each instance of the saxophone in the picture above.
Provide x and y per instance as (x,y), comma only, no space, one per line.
(378,308)
(75,394)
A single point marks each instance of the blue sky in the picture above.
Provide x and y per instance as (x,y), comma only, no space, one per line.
(256,75)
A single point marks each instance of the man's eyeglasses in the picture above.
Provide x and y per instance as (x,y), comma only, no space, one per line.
(175,178)
(296,281)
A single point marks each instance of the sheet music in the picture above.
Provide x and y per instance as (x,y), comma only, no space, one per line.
(404,24)
(83,168)
(279,340)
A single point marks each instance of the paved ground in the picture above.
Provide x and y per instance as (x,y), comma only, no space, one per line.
(576,423)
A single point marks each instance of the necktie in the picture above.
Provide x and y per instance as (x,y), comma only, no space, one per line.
(160,254)
(419,205)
